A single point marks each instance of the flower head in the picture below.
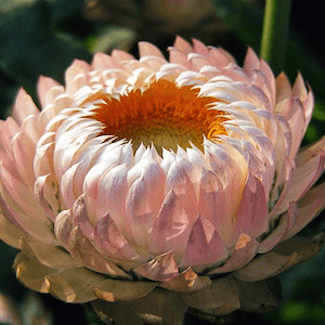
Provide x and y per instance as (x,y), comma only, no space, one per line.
(149,177)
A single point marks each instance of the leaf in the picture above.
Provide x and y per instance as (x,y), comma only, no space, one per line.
(243,19)
(115,38)
(61,9)
(30,48)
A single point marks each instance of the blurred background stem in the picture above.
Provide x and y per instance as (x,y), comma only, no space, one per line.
(275,33)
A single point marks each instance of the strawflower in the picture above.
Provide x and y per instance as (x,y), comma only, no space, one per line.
(150,186)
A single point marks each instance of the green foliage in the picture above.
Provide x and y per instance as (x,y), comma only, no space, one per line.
(235,14)
(30,47)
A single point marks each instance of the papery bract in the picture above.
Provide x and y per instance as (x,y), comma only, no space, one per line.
(144,178)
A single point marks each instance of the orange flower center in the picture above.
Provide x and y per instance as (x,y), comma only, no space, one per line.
(163,114)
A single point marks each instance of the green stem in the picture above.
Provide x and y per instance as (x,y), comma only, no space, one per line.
(275,33)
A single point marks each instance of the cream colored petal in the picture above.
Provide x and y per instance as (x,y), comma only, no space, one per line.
(256,297)
(55,257)
(221,297)
(120,312)
(9,233)
(74,285)
(116,290)
(81,248)
(161,305)
(283,256)
(33,274)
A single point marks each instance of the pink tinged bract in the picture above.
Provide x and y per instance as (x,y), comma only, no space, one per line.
(156,185)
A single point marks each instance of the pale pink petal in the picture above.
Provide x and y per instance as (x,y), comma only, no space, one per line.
(9,233)
(75,78)
(304,178)
(308,152)
(41,192)
(251,217)
(285,223)
(35,223)
(199,47)
(177,215)
(212,203)
(231,169)
(245,250)
(285,187)
(251,62)
(292,109)
(270,80)
(81,217)
(44,85)
(23,150)
(21,197)
(24,106)
(108,195)
(219,57)
(63,225)
(187,281)
(44,155)
(82,250)
(309,208)
(177,56)
(143,203)
(103,61)
(9,129)
(10,217)
(182,45)
(121,56)
(204,246)
(299,89)
(111,243)
(283,87)
(148,49)
(283,164)
(30,127)
(67,186)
